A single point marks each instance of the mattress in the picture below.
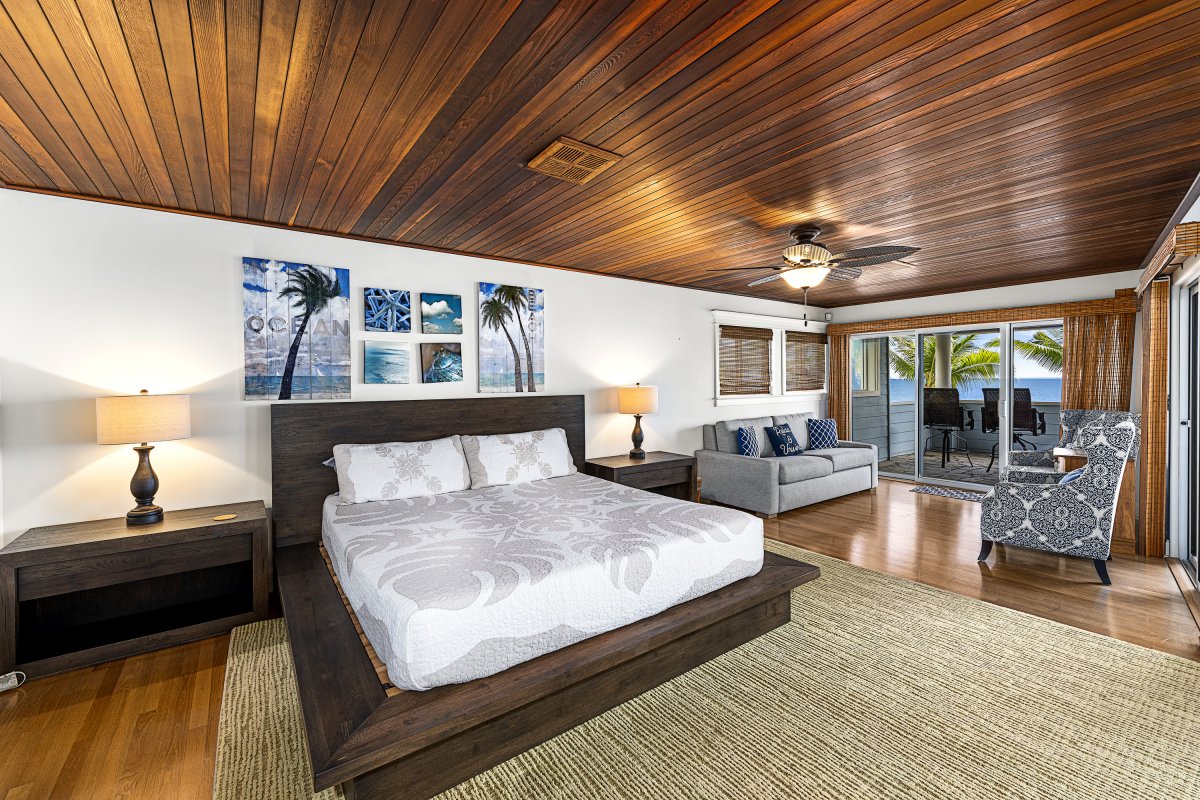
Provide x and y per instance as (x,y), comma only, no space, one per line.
(462,585)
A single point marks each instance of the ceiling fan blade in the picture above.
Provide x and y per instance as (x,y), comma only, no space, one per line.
(738,269)
(843,274)
(863,262)
(870,252)
(767,279)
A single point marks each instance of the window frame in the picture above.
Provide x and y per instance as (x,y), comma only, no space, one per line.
(777,326)
(872,392)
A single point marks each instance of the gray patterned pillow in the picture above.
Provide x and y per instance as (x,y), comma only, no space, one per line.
(398,470)
(517,457)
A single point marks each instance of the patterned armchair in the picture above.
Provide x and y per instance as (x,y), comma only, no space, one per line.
(1073,519)
(1039,466)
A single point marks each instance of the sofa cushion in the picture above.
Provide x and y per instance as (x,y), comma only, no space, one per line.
(799,424)
(801,468)
(727,432)
(844,457)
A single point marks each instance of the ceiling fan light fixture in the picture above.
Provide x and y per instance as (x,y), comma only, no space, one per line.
(805,277)
(806,253)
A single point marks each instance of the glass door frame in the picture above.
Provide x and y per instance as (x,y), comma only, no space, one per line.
(1007,332)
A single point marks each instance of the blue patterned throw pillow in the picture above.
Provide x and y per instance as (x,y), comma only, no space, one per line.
(747,442)
(783,441)
(822,434)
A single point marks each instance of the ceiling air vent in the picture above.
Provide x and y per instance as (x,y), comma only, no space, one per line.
(572,161)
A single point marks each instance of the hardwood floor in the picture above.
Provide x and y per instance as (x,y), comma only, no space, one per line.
(935,540)
(146,727)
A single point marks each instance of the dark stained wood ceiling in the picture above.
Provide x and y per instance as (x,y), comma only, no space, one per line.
(1011,141)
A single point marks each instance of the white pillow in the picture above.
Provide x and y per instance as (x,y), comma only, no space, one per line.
(397,470)
(517,457)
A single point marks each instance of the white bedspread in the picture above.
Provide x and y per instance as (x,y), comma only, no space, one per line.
(459,586)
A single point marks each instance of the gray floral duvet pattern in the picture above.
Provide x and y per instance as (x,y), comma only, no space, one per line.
(457,586)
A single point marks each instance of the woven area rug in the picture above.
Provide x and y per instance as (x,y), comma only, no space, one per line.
(956,494)
(879,688)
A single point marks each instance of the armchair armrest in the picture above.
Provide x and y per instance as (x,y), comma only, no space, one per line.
(1030,458)
(743,481)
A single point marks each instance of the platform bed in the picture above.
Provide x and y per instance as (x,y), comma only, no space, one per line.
(378,743)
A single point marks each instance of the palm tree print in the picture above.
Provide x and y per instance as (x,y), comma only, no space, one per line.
(494,314)
(514,297)
(312,291)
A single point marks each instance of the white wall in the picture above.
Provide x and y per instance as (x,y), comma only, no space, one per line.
(98,299)
(1064,291)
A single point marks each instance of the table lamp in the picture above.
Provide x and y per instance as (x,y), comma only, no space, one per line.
(637,400)
(138,419)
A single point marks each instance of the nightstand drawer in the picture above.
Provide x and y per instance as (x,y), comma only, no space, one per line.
(650,479)
(72,575)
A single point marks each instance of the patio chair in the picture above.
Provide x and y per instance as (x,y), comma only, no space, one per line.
(1026,420)
(1040,466)
(1072,519)
(945,416)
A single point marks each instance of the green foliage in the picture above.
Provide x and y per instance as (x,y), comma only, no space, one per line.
(970,364)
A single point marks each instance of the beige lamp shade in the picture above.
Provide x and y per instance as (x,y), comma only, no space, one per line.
(637,399)
(131,419)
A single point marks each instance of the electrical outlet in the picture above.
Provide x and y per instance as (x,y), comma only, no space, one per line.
(11,681)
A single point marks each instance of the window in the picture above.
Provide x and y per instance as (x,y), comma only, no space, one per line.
(764,359)
(864,366)
(804,361)
(744,356)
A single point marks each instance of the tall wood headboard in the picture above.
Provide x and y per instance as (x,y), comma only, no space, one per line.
(303,436)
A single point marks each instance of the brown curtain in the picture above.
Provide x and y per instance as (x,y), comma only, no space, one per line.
(1152,466)
(1098,361)
(803,361)
(839,382)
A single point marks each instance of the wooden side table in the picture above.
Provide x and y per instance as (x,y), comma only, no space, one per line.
(74,595)
(1124,535)
(669,474)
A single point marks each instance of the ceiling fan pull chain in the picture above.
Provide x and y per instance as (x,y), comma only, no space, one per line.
(806,306)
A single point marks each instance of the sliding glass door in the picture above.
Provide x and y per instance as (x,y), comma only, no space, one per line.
(947,405)
(1191,439)
(960,406)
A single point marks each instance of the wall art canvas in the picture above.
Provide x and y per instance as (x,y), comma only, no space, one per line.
(441,362)
(296,330)
(386,362)
(441,313)
(512,342)
(387,311)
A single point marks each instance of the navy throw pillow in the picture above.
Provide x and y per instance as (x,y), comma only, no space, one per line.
(783,441)
(1073,475)
(822,434)
(747,442)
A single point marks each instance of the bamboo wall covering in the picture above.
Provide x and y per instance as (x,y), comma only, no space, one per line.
(1152,484)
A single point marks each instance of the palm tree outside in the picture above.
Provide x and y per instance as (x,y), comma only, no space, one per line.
(1044,348)
(493,314)
(514,297)
(971,364)
(313,290)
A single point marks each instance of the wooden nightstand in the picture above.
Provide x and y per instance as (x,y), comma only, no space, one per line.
(669,474)
(73,595)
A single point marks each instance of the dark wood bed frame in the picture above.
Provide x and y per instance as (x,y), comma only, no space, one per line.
(414,745)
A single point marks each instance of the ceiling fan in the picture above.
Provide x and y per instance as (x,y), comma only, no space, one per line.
(807,263)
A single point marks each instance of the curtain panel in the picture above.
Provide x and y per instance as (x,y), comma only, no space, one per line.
(838,397)
(1098,361)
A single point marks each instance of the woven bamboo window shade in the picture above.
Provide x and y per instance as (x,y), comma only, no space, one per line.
(745,360)
(803,361)
(1098,361)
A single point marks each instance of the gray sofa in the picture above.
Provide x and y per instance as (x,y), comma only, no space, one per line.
(768,484)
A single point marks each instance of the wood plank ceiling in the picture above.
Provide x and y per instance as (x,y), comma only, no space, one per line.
(1012,141)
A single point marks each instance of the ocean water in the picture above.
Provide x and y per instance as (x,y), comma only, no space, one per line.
(1044,390)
